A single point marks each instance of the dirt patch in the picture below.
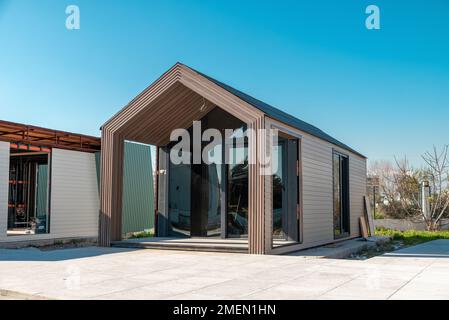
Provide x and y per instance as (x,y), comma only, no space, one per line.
(66,245)
(378,250)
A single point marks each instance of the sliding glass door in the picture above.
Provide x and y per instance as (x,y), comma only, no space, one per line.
(237,192)
(341,194)
(210,199)
(285,188)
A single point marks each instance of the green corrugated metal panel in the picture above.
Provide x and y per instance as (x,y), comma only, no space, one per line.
(138,188)
(42,187)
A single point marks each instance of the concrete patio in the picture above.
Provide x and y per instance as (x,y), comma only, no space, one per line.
(420,272)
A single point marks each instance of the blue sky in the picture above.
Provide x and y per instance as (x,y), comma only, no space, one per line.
(384,92)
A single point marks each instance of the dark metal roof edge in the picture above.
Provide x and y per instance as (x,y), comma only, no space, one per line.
(280,115)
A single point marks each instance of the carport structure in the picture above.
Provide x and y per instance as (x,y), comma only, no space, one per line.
(179,97)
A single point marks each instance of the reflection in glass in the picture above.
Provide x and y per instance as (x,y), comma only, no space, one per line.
(278,190)
(179,199)
(285,186)
(337,195)
(213,190)
(238,192)
(341,194)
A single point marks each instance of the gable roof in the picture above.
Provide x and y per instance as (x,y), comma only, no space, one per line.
(279,115)
(200,84)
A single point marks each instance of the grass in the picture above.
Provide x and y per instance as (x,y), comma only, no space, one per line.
(143,234)
(400,239)
(413,237)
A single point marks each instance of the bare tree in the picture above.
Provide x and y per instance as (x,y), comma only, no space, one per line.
(438,176)
(406,181)
(398,187)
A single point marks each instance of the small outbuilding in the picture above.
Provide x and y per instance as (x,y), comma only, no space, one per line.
(48,185)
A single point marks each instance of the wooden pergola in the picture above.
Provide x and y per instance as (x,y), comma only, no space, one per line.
(177,98)
(28,135)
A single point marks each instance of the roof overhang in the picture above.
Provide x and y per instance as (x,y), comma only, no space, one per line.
(43,137)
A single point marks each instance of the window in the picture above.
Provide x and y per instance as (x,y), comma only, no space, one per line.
(285,186)
(341,194)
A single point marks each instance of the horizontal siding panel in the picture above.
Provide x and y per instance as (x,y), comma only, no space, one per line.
(4,187)
(74,195)
(317,190)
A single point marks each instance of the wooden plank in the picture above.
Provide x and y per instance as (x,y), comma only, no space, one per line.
(369,217)
(363,228)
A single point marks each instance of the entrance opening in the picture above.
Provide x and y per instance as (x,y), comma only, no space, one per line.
(237,191)
(29,192)
(285,190)
(210,199)
(341,194)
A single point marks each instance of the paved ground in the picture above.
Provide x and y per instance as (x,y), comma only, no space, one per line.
(420,272)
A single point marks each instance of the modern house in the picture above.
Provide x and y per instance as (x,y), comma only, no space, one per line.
(268,192)
(312,196)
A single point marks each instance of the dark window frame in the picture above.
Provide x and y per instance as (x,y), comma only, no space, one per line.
(345,197)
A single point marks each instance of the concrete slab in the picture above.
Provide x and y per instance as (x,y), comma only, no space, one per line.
(418,272)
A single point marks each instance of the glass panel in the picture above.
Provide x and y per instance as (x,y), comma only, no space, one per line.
(285,192)
(214,192)
(344,194)
(337,194)
(238,192)
(278,191)
(179,198)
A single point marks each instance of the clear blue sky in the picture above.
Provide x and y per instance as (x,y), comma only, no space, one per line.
(384,92)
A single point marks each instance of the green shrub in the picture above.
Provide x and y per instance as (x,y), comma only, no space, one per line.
(142,234)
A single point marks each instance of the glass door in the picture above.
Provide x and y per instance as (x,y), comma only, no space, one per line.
(237,192)
(285,186)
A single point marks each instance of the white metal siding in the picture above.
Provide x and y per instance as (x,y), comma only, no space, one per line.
(74,199)
(4,187)
(317,191)
(74,194)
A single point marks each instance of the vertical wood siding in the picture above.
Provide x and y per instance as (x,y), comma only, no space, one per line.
(256,205)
